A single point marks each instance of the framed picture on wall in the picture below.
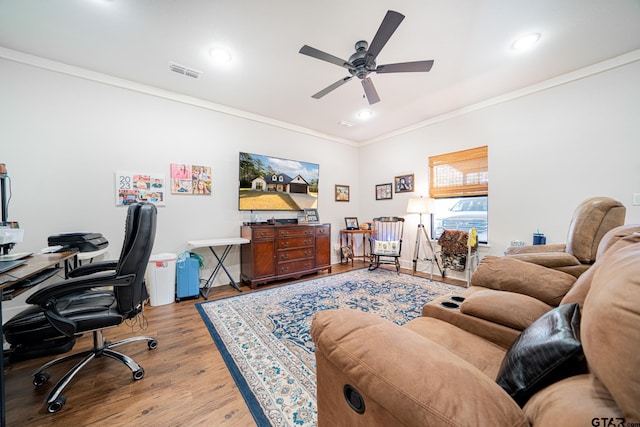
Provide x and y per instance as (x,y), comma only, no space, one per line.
(133,187)
(404,183)
(384,191)
(342,193)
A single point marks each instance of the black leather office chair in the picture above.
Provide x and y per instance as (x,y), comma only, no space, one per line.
(62,311)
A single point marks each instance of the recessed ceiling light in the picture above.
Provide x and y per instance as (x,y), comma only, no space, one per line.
(365,114)
(219,55)
(526,41)
(345,123)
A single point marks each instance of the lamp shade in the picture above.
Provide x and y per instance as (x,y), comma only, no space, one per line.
(420,205)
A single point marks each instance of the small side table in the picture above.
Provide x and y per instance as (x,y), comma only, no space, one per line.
(347,239)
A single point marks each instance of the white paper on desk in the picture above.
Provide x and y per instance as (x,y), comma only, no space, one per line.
(51,249)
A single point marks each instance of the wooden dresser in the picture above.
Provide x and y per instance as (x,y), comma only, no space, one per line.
(284,251)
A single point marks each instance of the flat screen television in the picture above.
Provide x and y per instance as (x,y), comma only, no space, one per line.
(275,184)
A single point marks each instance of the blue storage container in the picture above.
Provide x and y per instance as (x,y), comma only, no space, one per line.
(187,277)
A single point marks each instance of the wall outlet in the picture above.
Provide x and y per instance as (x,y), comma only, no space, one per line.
(636,199)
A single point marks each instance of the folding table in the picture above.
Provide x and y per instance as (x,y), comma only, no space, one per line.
(228,243)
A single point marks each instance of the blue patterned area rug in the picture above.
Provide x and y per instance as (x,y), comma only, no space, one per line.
(264,337)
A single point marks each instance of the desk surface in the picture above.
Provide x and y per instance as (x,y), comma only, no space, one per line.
(225,241)
(34,265)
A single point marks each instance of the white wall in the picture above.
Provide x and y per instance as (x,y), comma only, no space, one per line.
(548,151)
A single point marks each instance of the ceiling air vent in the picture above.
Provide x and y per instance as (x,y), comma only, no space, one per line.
(181,69)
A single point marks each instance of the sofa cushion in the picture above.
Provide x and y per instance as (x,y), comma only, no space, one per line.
(483,354)
(614,240)
(509,274)
(545,352)
(610,332)
(573,402)
(511,309)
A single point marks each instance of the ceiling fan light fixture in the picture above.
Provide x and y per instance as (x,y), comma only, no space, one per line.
(365,114)
(363,61)
(220,55)
(526,41)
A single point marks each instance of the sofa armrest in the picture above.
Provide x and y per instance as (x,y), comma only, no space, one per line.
(403,378)
(548,259)
(558,247)
(510,309)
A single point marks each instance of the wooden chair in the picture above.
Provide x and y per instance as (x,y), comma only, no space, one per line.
(386,242)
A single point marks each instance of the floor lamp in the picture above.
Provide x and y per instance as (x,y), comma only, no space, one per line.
(422,205)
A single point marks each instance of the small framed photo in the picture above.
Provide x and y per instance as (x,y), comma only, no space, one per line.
(384,191)
(351,223)
(342,193)
(404,183)
(302,218)
(312,215)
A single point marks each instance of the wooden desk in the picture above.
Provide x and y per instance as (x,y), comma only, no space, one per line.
(347,236)
(228,243)
(34,265)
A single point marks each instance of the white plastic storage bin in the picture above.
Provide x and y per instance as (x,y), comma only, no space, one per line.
(161,279)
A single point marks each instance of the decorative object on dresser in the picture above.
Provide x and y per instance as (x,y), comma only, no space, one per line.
(312,216)
(284,251)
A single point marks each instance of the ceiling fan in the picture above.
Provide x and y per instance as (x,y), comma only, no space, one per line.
(363,61)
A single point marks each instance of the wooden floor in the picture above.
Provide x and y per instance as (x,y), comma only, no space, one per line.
(186,381)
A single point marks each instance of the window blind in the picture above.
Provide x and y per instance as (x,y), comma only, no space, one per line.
(459,174)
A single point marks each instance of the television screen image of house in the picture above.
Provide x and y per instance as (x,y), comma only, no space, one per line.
(276,184)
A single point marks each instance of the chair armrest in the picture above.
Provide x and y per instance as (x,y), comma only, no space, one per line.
(94,267)
(401,377)
(50,292)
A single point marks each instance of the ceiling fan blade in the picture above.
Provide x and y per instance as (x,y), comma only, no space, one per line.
(389,25)
(329,88)
(370,91)
(318,54)
(406,67)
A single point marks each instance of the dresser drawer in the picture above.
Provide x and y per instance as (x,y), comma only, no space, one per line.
(298,231)
(263,233)
(323,230)
(292,267)
(295,254)
(295,242)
